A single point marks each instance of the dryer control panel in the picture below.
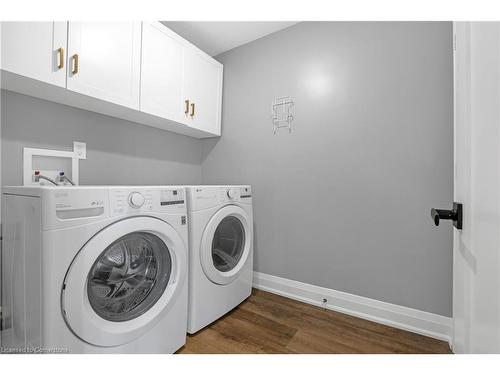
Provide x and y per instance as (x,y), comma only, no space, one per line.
(143,200)
(235,193)
(202,197)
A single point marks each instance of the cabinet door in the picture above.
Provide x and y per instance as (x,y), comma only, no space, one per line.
(35,50)
(203,89)
(161,72)
(104,61)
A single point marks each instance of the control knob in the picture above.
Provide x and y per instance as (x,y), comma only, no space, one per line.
(231,193)
(136,200)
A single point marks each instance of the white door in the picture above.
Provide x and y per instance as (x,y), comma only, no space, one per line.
(35,50)
(476,263)
(226,244)
(202,90)
(161,72)
(104,61)
(123,281)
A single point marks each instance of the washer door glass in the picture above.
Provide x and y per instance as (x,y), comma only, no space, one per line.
(129,276)
(228,244)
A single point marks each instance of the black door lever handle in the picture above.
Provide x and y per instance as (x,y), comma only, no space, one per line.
(455,215)
(438,214)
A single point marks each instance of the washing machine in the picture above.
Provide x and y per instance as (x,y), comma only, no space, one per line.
(220,251)
(94,269)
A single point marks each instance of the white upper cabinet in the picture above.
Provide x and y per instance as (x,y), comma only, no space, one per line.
(162,72)
(35,50)
(178,81)
(104,61)
(202,91)
(138,71)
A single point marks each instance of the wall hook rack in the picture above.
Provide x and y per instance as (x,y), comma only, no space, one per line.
(282,116)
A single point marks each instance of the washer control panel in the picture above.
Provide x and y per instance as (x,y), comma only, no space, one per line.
(169,197)
(143,200)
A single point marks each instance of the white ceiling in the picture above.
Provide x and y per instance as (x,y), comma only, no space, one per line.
(218,37)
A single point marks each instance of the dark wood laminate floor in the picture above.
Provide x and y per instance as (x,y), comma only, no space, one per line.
(267,323)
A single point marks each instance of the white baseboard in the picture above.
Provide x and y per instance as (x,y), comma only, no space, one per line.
(408,319)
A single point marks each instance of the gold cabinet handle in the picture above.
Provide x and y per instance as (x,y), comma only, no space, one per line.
(75,64)
(60,54)
(192,109)
(186,111)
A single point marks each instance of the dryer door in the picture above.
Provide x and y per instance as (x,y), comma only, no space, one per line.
(123,281)
(226,244)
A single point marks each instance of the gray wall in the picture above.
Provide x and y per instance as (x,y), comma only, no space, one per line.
(343,202)
(118,152)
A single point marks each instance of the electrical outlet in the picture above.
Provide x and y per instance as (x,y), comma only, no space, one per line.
(80,149)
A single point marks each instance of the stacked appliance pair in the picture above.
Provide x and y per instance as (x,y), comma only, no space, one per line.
(105,269)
